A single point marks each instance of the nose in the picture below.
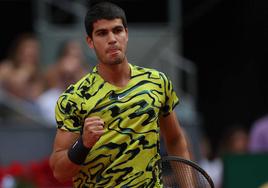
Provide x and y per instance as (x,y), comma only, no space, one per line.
(111,38)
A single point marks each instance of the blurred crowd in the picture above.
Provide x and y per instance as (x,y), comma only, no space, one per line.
(24,77)
(236,140)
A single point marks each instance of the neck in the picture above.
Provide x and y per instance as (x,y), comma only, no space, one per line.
(118,75)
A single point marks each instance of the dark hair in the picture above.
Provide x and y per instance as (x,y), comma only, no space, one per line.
(103,10)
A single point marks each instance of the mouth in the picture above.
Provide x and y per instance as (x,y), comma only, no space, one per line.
(113,51)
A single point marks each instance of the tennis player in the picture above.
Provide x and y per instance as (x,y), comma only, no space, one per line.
(109,122)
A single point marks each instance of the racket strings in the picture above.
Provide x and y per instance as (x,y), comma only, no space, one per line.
(176,174)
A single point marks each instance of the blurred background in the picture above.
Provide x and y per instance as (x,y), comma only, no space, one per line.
(214,51)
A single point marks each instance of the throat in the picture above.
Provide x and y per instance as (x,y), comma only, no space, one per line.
(119,83)
(118,77)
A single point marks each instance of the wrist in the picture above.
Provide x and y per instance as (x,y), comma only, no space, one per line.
(78,152)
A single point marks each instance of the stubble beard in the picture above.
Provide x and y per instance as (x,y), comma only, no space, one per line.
(118,60)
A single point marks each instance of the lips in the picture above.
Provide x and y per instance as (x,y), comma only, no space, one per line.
(113,50)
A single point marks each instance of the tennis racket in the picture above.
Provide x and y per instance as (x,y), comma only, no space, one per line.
(182,173)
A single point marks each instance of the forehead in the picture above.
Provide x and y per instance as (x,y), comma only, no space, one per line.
(107,24)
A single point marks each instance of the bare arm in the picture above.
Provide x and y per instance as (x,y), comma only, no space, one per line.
(63,168)
(61,165)
(175,141)
(176,145)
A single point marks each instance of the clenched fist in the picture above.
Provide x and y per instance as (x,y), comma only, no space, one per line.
(92,131)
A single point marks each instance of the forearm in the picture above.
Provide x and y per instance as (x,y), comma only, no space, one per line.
(63,168)
(178,147)
(71,149)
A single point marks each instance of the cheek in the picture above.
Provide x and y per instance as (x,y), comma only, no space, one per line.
(98,47)
(124,44)
(100,52)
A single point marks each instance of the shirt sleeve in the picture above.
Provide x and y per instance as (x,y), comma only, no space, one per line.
(171,99)
(67,112)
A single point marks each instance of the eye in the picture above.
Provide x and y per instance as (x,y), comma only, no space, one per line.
(118,30)
(101,33)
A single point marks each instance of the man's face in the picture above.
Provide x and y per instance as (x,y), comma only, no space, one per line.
(109,40)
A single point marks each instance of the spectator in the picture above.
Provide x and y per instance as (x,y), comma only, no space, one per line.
(258,140)
(211,163)
(68,48)
(67,70)
(20,78)
(235,140)
(20,71)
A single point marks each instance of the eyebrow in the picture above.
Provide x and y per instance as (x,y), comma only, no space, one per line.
(105,29)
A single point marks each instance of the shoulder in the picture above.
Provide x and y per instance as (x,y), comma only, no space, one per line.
(82,85)
(78,91)
(149,72)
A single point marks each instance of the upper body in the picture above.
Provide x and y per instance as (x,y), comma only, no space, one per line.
(20,71)
(118,111)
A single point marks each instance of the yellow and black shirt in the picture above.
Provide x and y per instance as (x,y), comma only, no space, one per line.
(126,155)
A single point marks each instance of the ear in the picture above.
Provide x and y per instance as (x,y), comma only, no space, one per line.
(127,33)
(90,42)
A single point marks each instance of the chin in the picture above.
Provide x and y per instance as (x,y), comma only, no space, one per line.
(116,61)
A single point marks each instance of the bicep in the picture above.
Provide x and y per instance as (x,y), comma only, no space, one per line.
(170,127)
(174,136)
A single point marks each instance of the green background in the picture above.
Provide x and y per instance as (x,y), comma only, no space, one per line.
(245,171)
